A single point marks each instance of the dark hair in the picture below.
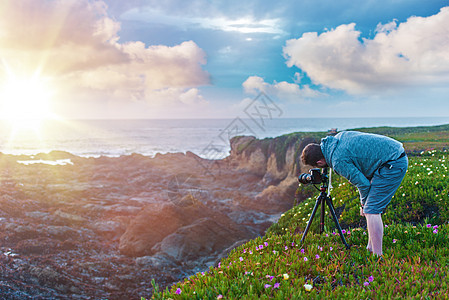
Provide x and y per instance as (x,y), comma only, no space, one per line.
(311,154)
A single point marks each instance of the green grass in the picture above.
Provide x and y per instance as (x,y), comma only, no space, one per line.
(415,264)
(415,139)
(276,266)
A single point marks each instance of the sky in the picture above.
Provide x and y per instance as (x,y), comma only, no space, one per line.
(211,59)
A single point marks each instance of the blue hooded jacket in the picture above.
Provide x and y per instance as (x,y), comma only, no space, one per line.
(356,156)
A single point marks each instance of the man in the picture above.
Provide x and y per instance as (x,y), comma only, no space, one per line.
(375,164)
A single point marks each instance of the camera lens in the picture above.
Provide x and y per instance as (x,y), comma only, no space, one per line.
(305,178)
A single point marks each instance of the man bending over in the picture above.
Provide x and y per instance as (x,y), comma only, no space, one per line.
(375,164)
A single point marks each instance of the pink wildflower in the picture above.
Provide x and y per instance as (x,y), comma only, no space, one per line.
(178,291)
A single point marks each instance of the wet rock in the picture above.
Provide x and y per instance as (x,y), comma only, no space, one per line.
(61,233)
(157,261)
(17,232)
(109,229)
(37,246)
(277,198)
(204,237)
(154,223)
(69,217)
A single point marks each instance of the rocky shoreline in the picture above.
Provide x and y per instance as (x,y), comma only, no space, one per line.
(103,228)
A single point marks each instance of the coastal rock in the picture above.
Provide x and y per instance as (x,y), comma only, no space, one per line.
(69,217)
(278,198)
(157,261)
(61,233)
(203,238)
(109,229)
(254,162)
(154,223)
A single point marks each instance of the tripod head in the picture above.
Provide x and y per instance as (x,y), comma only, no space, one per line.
(324,180)
(324,175)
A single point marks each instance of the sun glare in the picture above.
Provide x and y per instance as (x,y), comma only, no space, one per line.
(25,102)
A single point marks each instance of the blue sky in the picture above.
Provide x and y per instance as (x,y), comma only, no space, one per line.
(209,59)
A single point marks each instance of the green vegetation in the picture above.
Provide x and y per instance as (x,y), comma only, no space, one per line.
(416,139)
(415,264)
(277,267)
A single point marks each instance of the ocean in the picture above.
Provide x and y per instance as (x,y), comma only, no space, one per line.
(208,138)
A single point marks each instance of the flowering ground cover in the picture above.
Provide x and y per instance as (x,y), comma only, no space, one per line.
(415,264)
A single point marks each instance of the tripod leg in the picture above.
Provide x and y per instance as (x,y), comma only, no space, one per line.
(323,208)
(334,216)
(317,203)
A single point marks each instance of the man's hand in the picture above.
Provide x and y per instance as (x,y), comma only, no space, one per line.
(361,212)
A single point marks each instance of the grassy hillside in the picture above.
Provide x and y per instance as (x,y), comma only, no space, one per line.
(416,139)
(415,264)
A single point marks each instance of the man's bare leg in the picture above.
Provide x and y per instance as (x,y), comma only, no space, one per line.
(369,247)
(375,233)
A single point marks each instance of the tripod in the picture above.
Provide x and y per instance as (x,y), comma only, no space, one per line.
(323,199)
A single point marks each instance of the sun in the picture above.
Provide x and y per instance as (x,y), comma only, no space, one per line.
(25,101)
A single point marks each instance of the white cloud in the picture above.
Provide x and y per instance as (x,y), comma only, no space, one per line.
(193,97)
(77,44)
(247,24)
(412,54)
(179,97)
(282,90)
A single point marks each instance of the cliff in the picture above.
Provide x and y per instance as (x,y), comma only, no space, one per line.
(276,161)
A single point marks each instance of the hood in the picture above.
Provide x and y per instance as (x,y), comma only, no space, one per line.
(328,145)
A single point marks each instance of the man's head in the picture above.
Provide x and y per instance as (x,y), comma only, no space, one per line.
(313,156)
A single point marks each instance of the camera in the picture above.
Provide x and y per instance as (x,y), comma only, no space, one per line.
(314,177)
